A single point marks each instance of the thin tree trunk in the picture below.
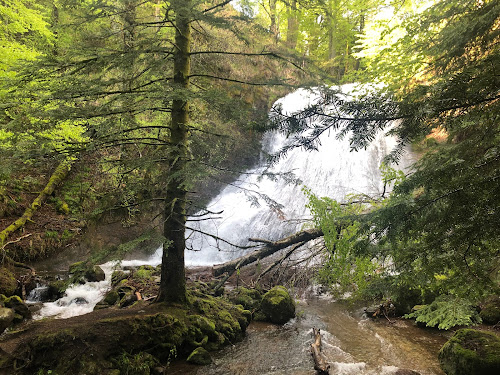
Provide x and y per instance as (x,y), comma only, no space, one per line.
(57,177)
(293,26)
(273,14)
(173,278)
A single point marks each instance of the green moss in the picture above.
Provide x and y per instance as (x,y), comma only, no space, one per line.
(111,297)
(8,282)
(278,306)
(200,356)
(471,352)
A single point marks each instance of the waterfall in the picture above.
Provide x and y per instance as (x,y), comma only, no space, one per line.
(245,207)
(331,171)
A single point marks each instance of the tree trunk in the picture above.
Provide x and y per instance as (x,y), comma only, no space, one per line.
(293,26)
(320,364)
(57,177)
(273,14)
(268,249)
(173,278)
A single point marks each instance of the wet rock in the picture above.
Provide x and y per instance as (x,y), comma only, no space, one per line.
(490,313)
(111,297)
(8,282)
(200,356)
(19,307)
(471,352)
(79,301)
(35,307)
(278,306)
(6,318)
(56,289)
(81,272)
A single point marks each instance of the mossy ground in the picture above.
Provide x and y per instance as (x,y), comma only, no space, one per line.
(104,341)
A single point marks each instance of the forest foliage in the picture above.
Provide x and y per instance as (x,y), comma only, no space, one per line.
(93,81)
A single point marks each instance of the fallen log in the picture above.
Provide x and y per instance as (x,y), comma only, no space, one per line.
(320,364)
(269,248)
(57,177)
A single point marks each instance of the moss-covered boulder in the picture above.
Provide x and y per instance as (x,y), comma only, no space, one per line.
(490,312)
(19,307)
(200,356)
(82,272)
(117,276)
(471,352)
(8,282)
(277,305)
(6,318)
(250,299)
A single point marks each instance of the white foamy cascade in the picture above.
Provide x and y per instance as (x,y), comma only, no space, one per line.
(331,171)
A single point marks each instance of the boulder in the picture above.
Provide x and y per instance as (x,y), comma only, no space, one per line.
(277,305)
(490,313)
(19,307)
(200,356)
(250,299)
(8,282)
(6,318)
(471,352)
(81,272)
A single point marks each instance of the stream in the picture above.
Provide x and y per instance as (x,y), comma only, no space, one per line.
(271,209)
(352,344)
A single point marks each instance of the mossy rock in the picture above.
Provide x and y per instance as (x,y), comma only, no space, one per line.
(6,318)
(19,307)
(56,289)
(8,282)
(200,356)
(250,299)
(471,352)
(117,276)
(81,272)
(278,305)
(111,297)
(490,313)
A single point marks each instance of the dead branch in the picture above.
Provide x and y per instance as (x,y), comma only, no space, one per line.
(268,249)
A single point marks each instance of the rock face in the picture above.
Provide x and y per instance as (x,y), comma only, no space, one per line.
(278,306)
(471,352)
(200,356)
(6,318)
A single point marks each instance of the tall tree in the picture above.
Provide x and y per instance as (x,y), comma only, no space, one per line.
(173,280)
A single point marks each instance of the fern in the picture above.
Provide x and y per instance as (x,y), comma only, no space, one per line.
(447,312)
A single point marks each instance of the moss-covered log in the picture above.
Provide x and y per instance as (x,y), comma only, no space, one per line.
(57,177)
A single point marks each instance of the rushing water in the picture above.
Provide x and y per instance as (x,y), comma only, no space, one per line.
(352,344)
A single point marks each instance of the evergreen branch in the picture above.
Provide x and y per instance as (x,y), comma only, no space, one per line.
(242,82)
(220,5)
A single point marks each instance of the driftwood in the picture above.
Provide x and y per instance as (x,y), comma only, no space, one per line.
(320,364)
(269,248)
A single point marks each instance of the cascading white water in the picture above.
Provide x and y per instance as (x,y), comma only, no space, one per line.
(331,171)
